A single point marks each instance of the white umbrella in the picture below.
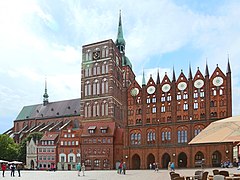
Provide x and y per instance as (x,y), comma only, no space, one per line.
(15,162)
(2,161)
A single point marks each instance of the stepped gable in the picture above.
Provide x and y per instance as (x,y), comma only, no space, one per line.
(52,109)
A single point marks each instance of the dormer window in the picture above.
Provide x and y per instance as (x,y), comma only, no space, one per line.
(103,130)
(91,129)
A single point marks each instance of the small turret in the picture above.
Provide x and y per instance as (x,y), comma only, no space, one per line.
(45,95)
(158,78)
(143,80)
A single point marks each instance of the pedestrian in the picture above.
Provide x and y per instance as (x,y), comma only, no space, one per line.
(156,167)
(169,165)
(172,166)
(12,168)
(79,168)
(124,166)
(83,169)
(120,168)
(150,166)
(19,168)
(4,167)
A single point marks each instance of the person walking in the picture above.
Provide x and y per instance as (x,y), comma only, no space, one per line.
(79,168)
(172,166)
(4,168)
(12,168)
(83,169)
(124,167)
(19,168)
(150,166)
(120,168)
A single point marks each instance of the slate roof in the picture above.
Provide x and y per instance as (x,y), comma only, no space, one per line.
(52,109)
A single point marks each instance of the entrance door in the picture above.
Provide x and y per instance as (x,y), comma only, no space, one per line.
(182,160)
(216,159)
(136,162)
(165,160)
(150,160)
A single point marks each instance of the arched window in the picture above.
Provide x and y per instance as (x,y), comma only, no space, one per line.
(89,111)
(96,109)
(151,137)
(104,86)
(220,92)
(182,136)
(88,55)
(96,89)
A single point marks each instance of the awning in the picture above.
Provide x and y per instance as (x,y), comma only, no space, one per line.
(105,127)
(226,130)
(92,127)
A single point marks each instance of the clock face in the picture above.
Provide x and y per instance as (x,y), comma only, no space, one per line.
(166,87)
(198,83)
(182,85)
(218,81)
(151,89)
(96,55)
(134,91)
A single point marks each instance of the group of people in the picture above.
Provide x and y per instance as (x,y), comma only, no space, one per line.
(12,168)
(122,168)
(155,166)
(81,169)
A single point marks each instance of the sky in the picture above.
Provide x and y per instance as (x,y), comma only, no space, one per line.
(42,39)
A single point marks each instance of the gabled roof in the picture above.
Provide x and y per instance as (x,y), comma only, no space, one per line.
(49,137)
(52,109)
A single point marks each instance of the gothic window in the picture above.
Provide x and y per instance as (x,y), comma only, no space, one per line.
(154,110)
(163,99)
(96,109)
(135,138)
(88,55)
(154,100)
(166,135)
(148,100)
(89,110)
(220,92)
(185,107)
(185,96)
(151,137)
(212,104)
(98,70)
(169,98)
(148,120)
(195,95)
(163,109)
(104,86)
(179,97)
(104,109)
(197,131)
(214,92)
(195,105)
(202,94)
(182,136)
(105,52)
(95,69)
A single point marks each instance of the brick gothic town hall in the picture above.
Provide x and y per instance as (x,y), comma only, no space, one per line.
(117,119)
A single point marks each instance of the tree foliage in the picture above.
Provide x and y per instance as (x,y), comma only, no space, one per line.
(8,148)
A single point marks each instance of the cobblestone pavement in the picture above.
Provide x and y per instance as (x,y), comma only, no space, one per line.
(105,175)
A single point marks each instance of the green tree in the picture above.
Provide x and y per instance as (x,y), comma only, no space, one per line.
(8,148)
(22,149)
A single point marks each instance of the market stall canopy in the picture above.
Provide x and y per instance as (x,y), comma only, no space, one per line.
(3,161)
(225,130)
(15,162)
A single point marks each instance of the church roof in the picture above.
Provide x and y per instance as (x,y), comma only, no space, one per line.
(52,109)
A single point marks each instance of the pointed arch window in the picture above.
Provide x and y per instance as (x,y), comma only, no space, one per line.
(214,92)
(151,137)
(88,55)
(182,136)
(220,92)
(104,109)
(104,86)
(96,109)
(89,110)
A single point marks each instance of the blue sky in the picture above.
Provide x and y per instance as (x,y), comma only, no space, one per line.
(41,39)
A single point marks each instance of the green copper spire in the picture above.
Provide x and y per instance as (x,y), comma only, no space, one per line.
(120,42)
(45,95)
(143,80)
